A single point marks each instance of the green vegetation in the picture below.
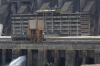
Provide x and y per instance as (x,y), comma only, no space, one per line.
(48,64)
(58,11)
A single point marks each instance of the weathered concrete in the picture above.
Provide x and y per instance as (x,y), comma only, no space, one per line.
(15,53)
(3,56)
(70,58)
(29,58)
(51,46)
(84,57)
(56,57)
(97,56)
(84,49)
(40,57)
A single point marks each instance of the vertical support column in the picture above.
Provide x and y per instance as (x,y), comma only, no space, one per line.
(69,58)
(84,57)
(29,57)
(15,53)
(41,57)
(52,23)
(40,35)
(18,4)
(82,4)
(37,35)
(3,56)
(45,22)
(60,3)
(39,3)
(60,24)
(97,56)
(13,8)
(0,3)
(56,57)
(45,55)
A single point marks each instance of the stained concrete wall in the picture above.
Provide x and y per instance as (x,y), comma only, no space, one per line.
(60,3)
(39,3)
(42,56)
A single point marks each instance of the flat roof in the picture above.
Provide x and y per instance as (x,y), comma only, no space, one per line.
(60,37)
(91,65)
(44,11)
(73,37)
(5,36)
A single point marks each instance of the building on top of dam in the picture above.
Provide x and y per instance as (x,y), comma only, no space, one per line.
(68,36)
(79,18)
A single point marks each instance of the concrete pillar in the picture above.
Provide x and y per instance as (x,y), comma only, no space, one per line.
(15,53)
(13,8)
(69,58)
(45,55)
(29,58)
(18,5)
(41,57)
(97,57)
(60,3)
(39,3)
(3,56)
(84,56)
(0,3)
(32,7)
(82,4)
(56,58)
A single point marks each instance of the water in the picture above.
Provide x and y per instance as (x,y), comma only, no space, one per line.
(20,61)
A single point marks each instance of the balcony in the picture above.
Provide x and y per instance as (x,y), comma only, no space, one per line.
(56,25)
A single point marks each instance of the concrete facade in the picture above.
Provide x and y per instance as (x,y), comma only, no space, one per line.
(72,54)
(73,24)
(72,51)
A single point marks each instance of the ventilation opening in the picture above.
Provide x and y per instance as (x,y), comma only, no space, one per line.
(90,60)
(61,58)
(62,62)
(50,56)
(8,56)
(0,57)
(34,57)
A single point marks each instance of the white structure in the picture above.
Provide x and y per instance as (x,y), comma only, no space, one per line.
(20,61)
(1,28)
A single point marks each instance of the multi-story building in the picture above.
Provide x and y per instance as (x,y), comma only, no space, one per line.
(74,8)
(65,23)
